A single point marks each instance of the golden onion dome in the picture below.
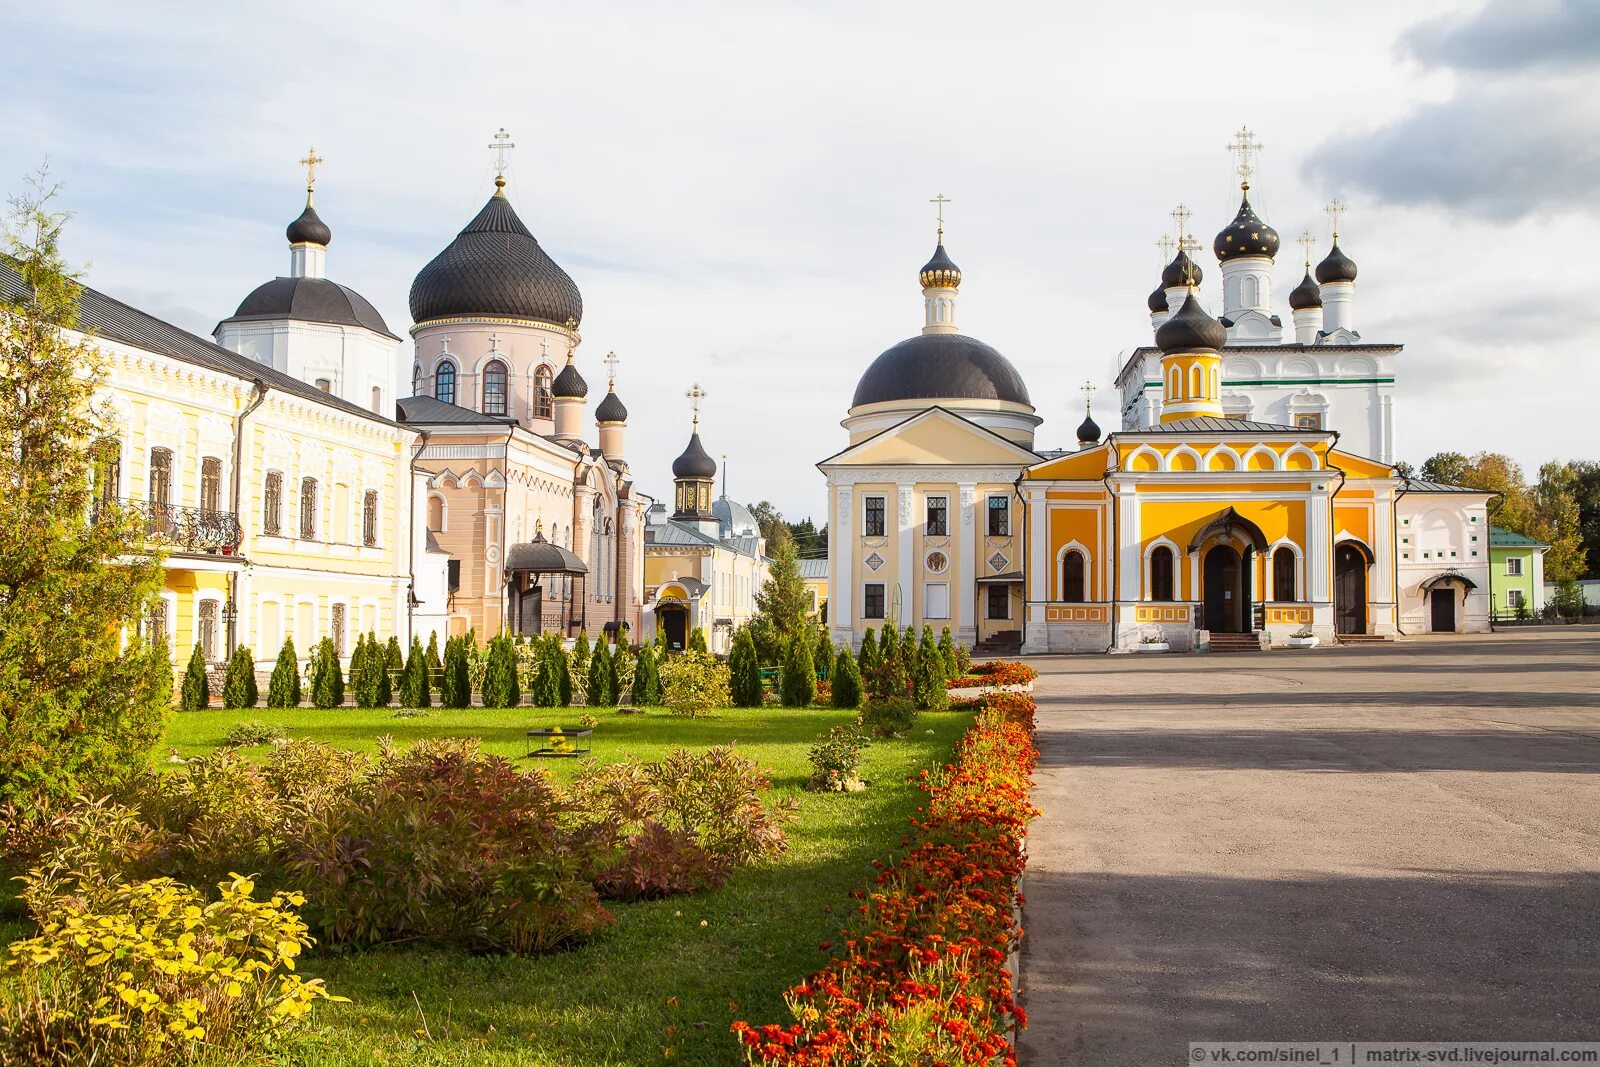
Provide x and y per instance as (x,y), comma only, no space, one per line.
(940,272)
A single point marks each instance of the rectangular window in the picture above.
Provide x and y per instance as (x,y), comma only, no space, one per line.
(369,518)
(999,516)
(999,601)
(872,601)
(874,518)
(155,624)
(1308,422)
(206,630)
(211,484)
(936,600)
(938,517)
(308,509)
(1515,599)
(108,471)
(1514,567)
(336,624)
(272,505)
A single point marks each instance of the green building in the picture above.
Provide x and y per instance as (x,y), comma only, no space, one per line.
(1516,574)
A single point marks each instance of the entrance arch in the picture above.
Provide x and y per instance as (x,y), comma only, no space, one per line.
(1349,589)
(1224,590)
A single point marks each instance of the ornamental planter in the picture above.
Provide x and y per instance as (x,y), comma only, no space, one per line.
(1302,642)
(1160,646)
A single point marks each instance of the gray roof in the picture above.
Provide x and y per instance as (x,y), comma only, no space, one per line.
(1422,485)
(673,532)
(543,557)
(734,517)
(310,300)
(430,412)
(940,366)
(813,568)
(1211,424)
(104,316)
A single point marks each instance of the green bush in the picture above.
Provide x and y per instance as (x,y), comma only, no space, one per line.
(947,652)
(239,689)
(889,718)
(252,732)
(414,688)
(694,683)
(799,673)
(744,673)
(196,693)
(580,655)
(456,689)
(647,678)
(284,689)
(697,640)
(435,664)
(546,688)
(836,760)
(393,658)
(327,678)
(888,643)
(846,681)
(500,688)
(868,657)
(599,687)
(167,978)
(822,653)
(365,663)
(928,690)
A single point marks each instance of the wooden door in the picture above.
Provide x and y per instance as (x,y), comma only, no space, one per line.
(1442,603)
(1349,591)
(1224,597)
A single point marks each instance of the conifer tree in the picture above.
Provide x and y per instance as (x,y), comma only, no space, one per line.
(799,674)
(782,597)
(456,688)
(744,673)
(284,689)
(906,651)
(500,686)
(928,688)
(822,653)
(195,694)
(360,676)
(394,659)
(868,658)
(435,664)
(327,679)
(414,678)
(600,675)
(380,669)
(846,681)
(239,688)
(614,675)
(697,640)
(888,642)
(947,652)
(647,679)
(563,676)
(83,696)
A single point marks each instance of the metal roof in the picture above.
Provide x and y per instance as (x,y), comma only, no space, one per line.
(1421,485)
(1211,424)
(428,411)
(1500,537)
(813,568)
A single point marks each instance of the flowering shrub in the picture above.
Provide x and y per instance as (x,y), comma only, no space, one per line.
(995,672)
(920,974)
(154,975)
(836,761)
(693,683)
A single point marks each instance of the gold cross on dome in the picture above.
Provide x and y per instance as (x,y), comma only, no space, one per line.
(1165,245)
(940,200)
(695,395)
(1335,211)
(311,162)
(1308,242)
(1088,395)
(1180,222)
(611,362)
(501,146)
(1245,148)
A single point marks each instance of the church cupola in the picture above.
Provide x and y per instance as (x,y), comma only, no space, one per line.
(1337,275)
(694,475)
(1088,429)
(308,235)
(1305,301)
(940,279)
(1183,275)
(611,415)
(1246,248)
(569,392)
(1190,364)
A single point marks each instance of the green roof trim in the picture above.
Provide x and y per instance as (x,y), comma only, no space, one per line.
(1500,537)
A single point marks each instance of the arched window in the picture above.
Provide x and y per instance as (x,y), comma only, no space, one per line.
(308,509)
(1283,574)
(444,382)
(543,405)
(436,513)
(1175,388)
(416,379)
(377,400)
(1196,382)
(108,470)
(1072,587)
(494,388)
(1252,292)
(211,484)
(369,518)
(160,477)
(336,624)
(272,504)
(1161,574)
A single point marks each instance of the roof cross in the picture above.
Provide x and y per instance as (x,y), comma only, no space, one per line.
(1335,211)
(940,200)
(611,362)
(310,162)
(1088,395)
(501,146)
(695,395)
(1245,148)
(1308,242)
(1180,222)
(1166,245)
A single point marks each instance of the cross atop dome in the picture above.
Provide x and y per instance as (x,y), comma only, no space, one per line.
(1307,242)
(310,162)
(501,146)
(1335,211)
(941,200)
(695,395)
(611,362)
(1245,148)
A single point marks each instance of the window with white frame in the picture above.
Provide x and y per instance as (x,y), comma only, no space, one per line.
(999,516)
(1514,567)
(1516,599)
(938,509)
(873,518)
(872,602)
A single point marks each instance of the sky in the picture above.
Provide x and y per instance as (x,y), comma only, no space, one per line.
(741,191)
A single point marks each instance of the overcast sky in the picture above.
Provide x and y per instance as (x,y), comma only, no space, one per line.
(741,190)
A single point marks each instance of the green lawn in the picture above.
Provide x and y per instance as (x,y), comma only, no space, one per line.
(665,981)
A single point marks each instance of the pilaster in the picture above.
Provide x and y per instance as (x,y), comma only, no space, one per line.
(966,565)
(905,493)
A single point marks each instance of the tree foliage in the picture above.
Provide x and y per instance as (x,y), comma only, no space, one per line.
(455,690)
(239,688)
(196,692)
(744,672)
(414,688)
(78,703)
(799,673)
(283,691)
(1551,509)
(782,597)
(327,677)
(500,686)
(846,681)
(647,678)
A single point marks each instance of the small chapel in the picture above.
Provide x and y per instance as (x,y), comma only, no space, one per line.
(1249,499)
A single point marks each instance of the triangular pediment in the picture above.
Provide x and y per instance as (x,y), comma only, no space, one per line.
(935,437)
(1356,466)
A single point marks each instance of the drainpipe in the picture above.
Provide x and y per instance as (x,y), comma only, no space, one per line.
(1333,555)
(411,533)
(258,396)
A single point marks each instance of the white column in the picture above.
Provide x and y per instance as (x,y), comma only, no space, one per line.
(906,550)
(1380,585)
(1036,588)
(1306,323)
(966,562)
(841,565)
(1319,547)
(1129,562)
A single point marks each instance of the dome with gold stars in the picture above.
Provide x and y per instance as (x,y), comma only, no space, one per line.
(1246,235)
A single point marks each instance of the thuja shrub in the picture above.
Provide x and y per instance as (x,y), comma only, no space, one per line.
(646,690)
(846,685)
(195,693)
(446,844)
(890,717)
(283,691)
(799,673)
(920,973)
(414,689)
(694,683)
(327,678)
(239,689)
(744,671)
(500,686)
(155,975)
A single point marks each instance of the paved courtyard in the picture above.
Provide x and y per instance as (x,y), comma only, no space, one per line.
(1397,842)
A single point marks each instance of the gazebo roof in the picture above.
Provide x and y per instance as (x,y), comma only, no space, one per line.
(541,557)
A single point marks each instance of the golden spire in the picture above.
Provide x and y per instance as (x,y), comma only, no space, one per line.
(310,162)
(1245,148)
(501,146)
(940,200)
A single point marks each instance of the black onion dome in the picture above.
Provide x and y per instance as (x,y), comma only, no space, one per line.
(1157,301)
(310,300)
(1336,267)
(495,267)
(611,409)
(569,383)
(940,272)
(1190,328)
(1246,235)
(941,366)
(1306,294)
(694,463)
(1088,431)
(1181,271)
(308,229)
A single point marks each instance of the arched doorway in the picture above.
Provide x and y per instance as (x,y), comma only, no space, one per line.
(673,620)
(1224,591)
(1349,590)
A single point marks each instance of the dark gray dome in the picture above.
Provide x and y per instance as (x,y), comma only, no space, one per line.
(1157,301)
(308,229)
(1246,235)
(1190,328)
(940,272)
(694,463)
(310,300)
(569,383)
(1337,267)
(941,366)
(611,409)
(1088,431)
(495,267)
(1305,295)
(1181,271)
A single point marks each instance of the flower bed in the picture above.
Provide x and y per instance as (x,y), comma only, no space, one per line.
(920,973)
(995,672)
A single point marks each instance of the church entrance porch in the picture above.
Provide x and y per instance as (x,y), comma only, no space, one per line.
(1225,588)
(1442,611)
(1349,589)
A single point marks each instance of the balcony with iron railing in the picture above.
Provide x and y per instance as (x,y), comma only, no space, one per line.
(193,531)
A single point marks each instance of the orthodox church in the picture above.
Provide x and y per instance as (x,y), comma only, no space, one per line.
(1249,499)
